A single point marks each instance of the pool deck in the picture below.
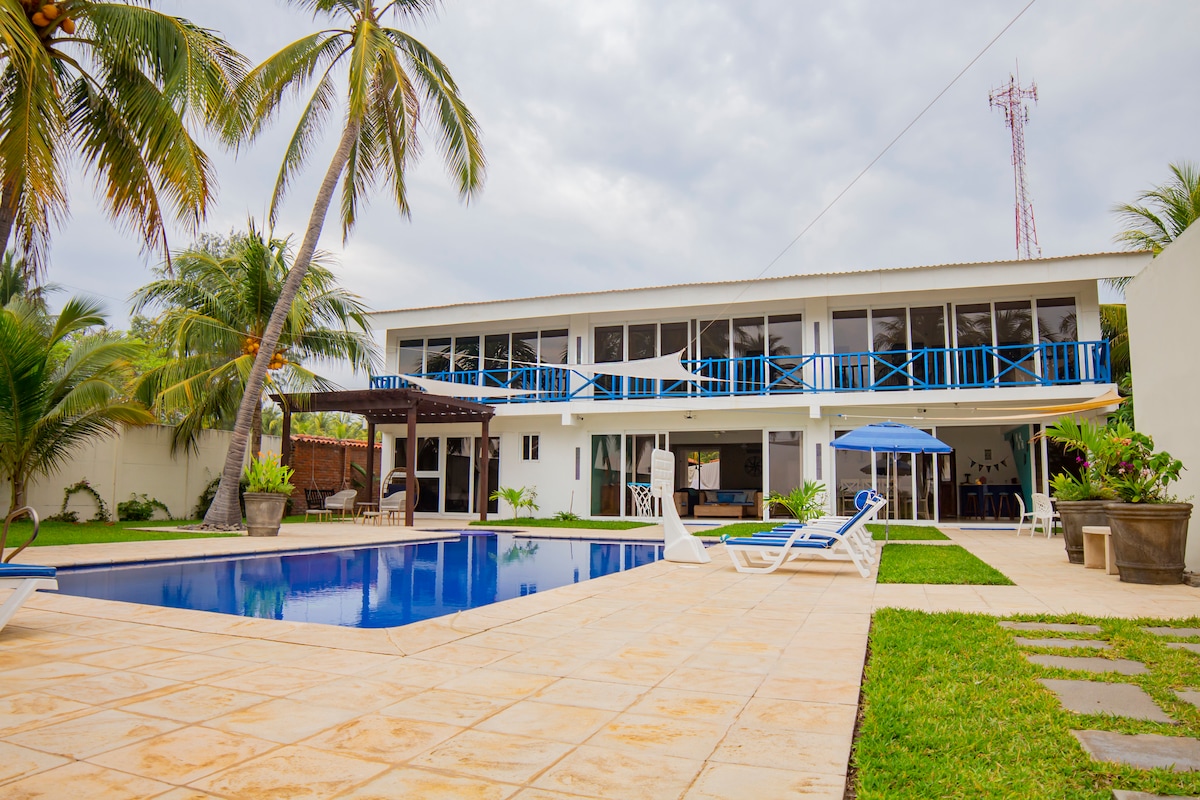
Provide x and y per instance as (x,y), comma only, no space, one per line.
(666,681)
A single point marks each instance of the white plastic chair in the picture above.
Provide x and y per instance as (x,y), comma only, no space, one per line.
(1042,510)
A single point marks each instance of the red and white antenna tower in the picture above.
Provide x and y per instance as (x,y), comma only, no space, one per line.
(1011,100)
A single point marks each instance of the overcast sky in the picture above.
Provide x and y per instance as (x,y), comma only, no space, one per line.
(643,142)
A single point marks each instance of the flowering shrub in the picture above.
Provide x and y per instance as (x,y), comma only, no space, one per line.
(1132,469)
(1085,439)
(266,474)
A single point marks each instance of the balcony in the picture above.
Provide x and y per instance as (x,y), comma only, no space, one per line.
(1009,366)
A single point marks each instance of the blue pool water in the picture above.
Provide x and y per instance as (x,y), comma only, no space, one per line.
(372,587)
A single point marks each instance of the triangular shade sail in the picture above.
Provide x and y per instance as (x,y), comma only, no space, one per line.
(667,368)
(452,389)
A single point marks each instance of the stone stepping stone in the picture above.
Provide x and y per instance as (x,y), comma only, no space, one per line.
(1123,794)
(1057,627)
(1191,646)
(1065,644)
(1180,632)
(1097,697)
(1122,666)
(1189,696)
(1142,750)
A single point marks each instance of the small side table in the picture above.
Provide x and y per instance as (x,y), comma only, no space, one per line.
(1098,552)
(366,510)
(319,513)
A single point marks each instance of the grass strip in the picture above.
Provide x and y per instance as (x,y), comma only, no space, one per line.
(951,709)
(59,533)
(584,524)
(909,533)
(738,529)
(949,564)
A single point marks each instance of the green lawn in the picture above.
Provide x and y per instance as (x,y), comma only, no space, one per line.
(910,533)
(55,533)
(952,709)
(927,563)
(737,529)
(587,524)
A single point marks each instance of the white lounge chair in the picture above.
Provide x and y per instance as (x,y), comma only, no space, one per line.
(841,543)
(678,545)
(392,505)
(342,502)
(23,579)
(1042,510)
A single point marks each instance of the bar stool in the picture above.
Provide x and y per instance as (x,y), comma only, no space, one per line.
(1003,503)
(971,508)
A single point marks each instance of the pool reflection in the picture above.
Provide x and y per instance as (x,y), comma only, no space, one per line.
(374,587)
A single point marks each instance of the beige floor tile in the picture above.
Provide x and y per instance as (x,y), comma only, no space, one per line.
(40,676)
(281,720)
(513,759)
(277,681)
(184,793)
(559,723)
(604,772)
(126,657)
(631,672)
(195,667)
(591,694)
(71,649)
(90,734)
(503,640)
(83,780)
(817,690)
(407,782)
(544,794)
(357,694)
(734,781)
(17,762)
(691,705)
(539,663)
(24,657)
(385,738)
(413,673)
(753,746)
(109,686)
(295,773)
(791,715)
(452,708)
(184,755)
(717,681)
(652,734)
(498,683)
(195,641)
(265,652)
(17,710)
(344,662)
(195,703)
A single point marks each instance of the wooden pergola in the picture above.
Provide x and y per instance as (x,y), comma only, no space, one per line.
(394,406)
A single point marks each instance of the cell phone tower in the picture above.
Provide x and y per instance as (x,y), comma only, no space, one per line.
(1010,99)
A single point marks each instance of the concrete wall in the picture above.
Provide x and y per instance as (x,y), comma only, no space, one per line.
(138,461)
(1166,376)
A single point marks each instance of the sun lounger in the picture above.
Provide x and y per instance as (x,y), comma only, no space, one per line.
(24,580)
(845,542)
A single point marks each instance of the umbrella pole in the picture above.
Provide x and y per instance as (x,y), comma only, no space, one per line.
(887,518)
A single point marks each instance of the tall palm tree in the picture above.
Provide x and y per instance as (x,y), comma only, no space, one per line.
(60,385)
(110,87)
(387,73)
(215,307)
(18,281)
(1160,214)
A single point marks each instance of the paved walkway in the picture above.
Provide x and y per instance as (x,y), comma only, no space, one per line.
(667,681)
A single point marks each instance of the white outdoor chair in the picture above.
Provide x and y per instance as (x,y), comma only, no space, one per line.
(1043,510)
(392,506)
(342,502)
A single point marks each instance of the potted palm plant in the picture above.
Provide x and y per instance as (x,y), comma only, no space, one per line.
(1082,497)
(804,502)
(267,492)
(1149,527)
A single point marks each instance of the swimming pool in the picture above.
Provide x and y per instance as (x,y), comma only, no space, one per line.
(372,587)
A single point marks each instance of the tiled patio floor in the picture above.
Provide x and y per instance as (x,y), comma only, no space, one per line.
(667,681)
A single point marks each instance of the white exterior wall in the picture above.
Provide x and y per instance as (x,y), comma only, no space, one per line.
(138,461)
(1166,376)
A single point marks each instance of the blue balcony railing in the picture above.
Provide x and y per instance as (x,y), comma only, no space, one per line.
(983,367)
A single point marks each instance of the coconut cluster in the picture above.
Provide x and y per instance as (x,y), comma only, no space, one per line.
(47,17)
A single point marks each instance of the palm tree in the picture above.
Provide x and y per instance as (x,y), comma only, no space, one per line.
(18,281)
(387,71)
(1161,214)
(109,87)
(215,307)
(60,385)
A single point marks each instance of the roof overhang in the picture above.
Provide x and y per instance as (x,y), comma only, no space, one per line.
(382,406)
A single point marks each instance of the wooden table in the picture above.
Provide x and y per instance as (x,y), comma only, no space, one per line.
(368,510)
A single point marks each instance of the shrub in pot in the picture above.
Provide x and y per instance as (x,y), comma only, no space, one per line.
(268,487)
(1149,527)
(1081,498)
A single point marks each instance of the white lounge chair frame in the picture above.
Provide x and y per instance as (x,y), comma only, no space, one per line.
(23,579)
(679,545)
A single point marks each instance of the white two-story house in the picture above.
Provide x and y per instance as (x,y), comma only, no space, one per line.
(981,355)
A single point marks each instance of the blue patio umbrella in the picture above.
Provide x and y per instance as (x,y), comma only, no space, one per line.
(890,437)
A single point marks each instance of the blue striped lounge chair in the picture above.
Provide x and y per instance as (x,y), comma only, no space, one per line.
(24,580)
(815,526)
(845,542)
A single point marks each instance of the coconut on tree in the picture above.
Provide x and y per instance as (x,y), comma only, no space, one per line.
(379,80)
(112,89)
(214,304)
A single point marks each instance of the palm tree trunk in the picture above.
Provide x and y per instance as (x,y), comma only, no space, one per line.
(224,510)
(256,429)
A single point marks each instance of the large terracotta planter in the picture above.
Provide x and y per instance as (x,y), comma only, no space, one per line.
(1075,514)
(264,512)
(1149,540)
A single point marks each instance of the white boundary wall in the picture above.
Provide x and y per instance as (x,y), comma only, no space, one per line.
(138,461)
(1164,351)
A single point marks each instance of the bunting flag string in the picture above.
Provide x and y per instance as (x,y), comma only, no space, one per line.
(989,467)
